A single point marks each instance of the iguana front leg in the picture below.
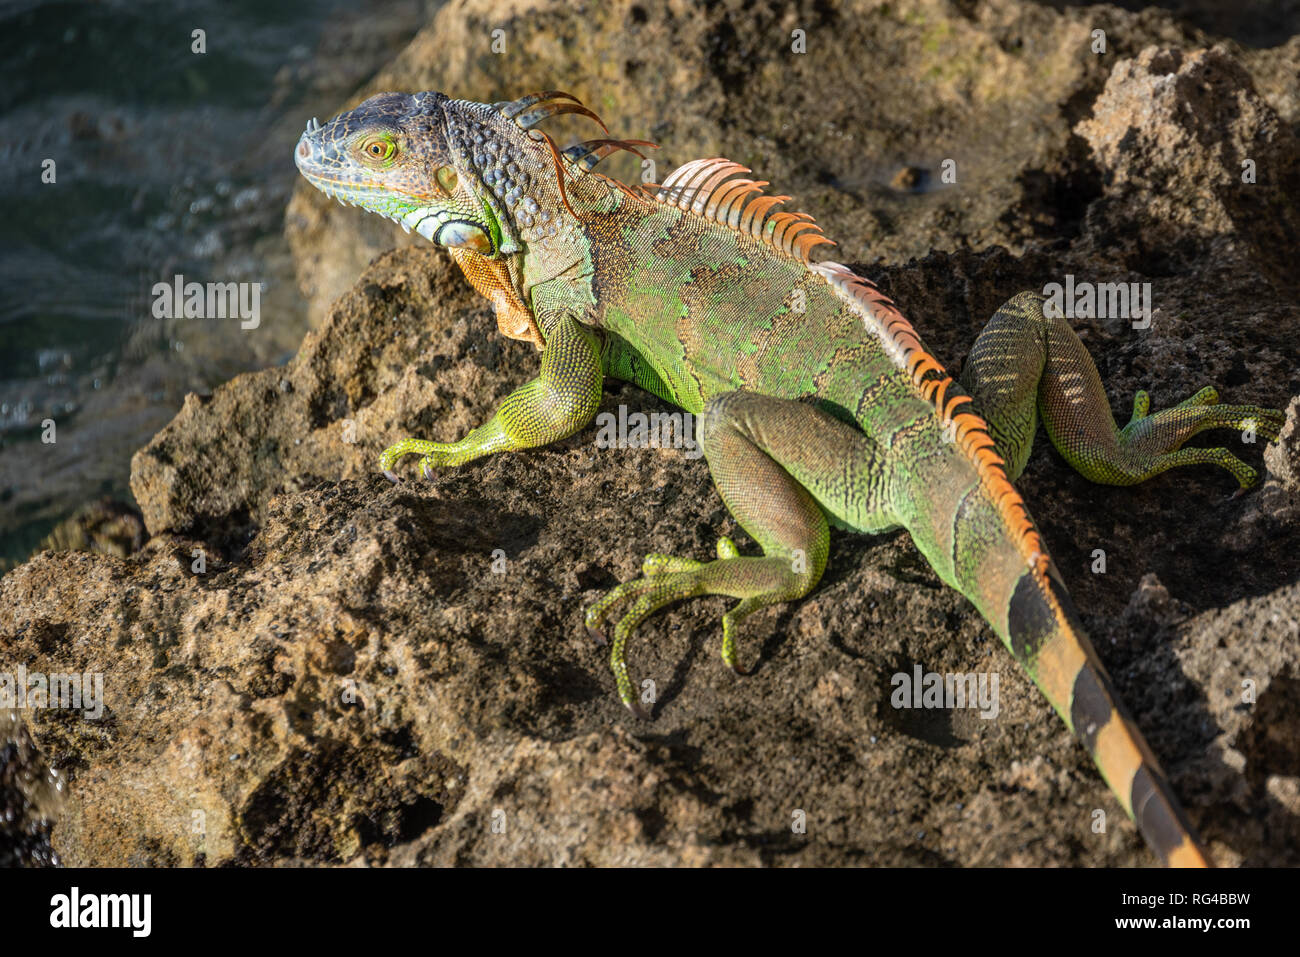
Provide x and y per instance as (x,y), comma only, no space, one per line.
(560,401)
(1025,365)
(776,463)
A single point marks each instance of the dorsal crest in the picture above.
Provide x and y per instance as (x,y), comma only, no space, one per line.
(705,187)
(965,429)
(528,111)
(586,155)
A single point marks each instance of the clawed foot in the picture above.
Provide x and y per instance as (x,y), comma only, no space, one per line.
(667,578)
(1154,442)
(432,455)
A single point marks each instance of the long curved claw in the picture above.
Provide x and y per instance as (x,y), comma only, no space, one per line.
(667,579)
(730,621)
(388,460)
(648,594)
(598,614)
(422,447)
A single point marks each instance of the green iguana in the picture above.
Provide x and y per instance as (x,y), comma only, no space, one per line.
(818,404)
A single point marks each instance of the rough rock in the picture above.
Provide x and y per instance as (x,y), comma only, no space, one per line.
(379,366)
(1192,155)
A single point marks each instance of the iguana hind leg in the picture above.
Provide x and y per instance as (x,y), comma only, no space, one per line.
(1025,365)
(776,463)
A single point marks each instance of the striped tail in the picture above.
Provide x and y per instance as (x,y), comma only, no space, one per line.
(1042,630)
(973,527)
(975,531)
(953,495)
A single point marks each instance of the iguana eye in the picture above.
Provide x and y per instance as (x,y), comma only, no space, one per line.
(379,149)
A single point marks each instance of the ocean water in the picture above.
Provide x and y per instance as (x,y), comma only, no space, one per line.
(164,161)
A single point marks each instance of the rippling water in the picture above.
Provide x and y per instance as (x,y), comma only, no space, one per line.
(166,161)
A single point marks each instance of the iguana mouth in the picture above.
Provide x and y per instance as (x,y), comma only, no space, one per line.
(329,158)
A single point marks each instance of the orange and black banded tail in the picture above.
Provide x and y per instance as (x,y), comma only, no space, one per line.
(1043,631)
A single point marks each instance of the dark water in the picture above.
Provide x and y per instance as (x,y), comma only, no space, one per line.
(166,161)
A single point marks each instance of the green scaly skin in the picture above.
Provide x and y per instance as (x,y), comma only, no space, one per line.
(818,404)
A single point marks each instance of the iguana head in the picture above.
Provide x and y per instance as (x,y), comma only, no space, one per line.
(392,155)
(466,175)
